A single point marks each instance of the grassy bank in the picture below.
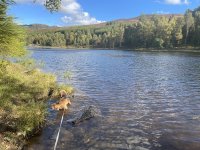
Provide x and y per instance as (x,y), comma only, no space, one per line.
(23,94)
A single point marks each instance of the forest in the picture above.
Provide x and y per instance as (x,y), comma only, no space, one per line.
(147,31)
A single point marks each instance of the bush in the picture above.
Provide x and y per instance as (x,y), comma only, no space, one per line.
(22,99)
(68,88)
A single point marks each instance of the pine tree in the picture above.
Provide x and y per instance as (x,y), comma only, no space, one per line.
(12,36)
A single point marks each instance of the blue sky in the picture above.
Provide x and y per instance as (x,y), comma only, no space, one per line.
(81,12)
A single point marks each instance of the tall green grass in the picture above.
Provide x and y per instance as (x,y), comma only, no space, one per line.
(23,94)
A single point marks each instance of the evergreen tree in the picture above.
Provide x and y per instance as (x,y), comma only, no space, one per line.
(12,36)
(189,22)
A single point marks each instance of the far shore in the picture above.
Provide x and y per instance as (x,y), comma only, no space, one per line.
(179,49)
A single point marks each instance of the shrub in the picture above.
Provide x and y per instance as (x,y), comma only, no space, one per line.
(22,97)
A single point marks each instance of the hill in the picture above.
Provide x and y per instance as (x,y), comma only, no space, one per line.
(44,27)
(159,31)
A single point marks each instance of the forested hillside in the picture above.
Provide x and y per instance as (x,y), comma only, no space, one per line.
(146,31)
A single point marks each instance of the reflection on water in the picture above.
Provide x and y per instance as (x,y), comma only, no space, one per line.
(148,100)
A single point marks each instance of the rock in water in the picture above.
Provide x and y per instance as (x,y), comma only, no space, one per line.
(85,114)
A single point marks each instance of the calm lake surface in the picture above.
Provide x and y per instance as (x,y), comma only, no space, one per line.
(148,100)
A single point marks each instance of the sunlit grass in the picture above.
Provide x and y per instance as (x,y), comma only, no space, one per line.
(23,92)
(68,88)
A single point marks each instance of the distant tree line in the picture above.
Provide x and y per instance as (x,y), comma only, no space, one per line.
(108,36)
(165,32)
(150,31)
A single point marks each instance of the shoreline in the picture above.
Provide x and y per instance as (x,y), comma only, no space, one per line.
(181,49)
(24,110)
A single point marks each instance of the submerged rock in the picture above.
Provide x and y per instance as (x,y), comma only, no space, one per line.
(85,114)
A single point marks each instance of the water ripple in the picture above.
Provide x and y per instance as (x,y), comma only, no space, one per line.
(148,100)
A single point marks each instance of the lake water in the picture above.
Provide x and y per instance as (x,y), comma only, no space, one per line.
(148,100)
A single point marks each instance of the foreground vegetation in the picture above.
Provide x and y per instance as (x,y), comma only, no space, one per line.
(24,89)
(146,31)
(22,101)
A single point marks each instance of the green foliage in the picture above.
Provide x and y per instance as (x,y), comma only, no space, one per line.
(23,96)
(150,31)
(68,88)
(155,32)
(177,33)
(31,116)
(12,36)
(189,22)
(158,43)
(56,40)
(23,87)
(110,36)
(53,5)
(67,75)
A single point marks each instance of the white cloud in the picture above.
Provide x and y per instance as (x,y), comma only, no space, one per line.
(80,20)
(177,2)
(74,14)
(70,6)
